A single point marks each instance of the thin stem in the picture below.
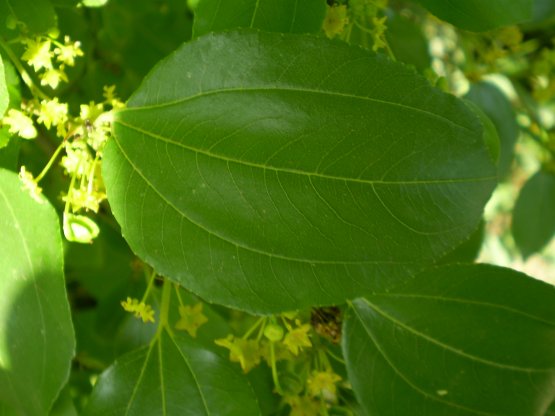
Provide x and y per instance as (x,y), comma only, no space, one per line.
(274,369)
(253,328)
(22,71)
(50,162)
(335,357)
(176,287)
(164,307)
(149,286)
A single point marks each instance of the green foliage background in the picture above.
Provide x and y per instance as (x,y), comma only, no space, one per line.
(259,207)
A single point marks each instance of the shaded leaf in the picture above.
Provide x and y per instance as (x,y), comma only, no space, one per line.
(499,109)
(286,16)
(38,15)
(251,169)
(457,340)
(479,15)
(407,41)
(533,220)
(35,325)
(468,250)
(4,95)
(173,376)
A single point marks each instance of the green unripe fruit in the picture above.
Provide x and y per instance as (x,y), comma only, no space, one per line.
(273,332)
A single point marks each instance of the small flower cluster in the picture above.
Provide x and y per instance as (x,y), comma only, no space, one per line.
(364,16)
(305,380)
(49,57)
(139,309)
(81,138)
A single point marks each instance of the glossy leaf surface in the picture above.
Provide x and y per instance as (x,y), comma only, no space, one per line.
(38,15)
(533,218)
(272,172)
(457,340)
(36,335)
(173,377)
(287,16)
(4,95)
(480,15)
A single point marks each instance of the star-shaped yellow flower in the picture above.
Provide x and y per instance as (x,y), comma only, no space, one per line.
(191,319)
(298,338)
(246,352)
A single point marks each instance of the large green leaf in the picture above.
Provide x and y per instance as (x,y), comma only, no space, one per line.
(287,16)
(272,172)
(38,15)
(458,340)
(480,15)
(173,376)
(4,95)
(533,220)
(36,335)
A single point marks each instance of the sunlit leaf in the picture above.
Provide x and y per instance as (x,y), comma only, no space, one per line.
(458,341)
(36,334)
(252,169)
(174,376)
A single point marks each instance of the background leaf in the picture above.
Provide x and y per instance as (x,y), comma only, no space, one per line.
(407,42)
(457,340)
(36,335)
(533,220)
(272,172)
(479,15)
(173,376)
(499,109)
(38,15)
(287,16)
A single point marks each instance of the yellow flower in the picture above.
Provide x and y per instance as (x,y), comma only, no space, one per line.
(52,113)
(30,184)
(322,383)
(38,53)
(298,338)
(303,406)
(335,21)
(52,77)
(67,52)
(20,124)
(243,351)
(191,318)
(139,309)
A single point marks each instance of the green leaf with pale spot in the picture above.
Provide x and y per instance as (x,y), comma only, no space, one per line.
(286,16)
(458,341)
(272,172)
(174,376)
(36,334)
(481,15)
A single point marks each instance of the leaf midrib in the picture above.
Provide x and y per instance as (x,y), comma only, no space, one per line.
(452,349)
(334,94)
(408,381)
(302,172)
(243,246)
